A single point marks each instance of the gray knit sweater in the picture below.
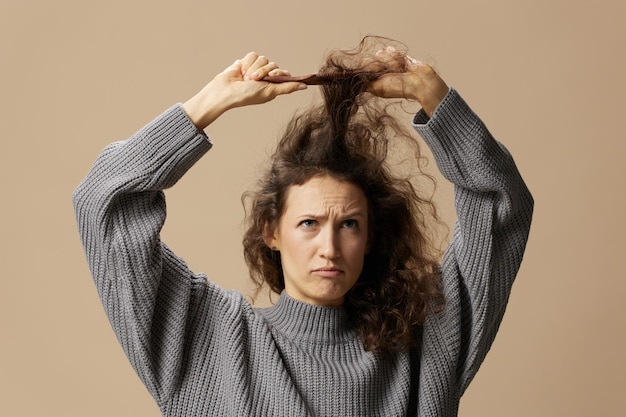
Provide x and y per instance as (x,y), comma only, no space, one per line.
(204,351)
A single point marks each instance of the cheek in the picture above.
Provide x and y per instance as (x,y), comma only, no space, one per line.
(356,253)
(295,247)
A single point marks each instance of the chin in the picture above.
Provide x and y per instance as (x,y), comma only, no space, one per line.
(332,298)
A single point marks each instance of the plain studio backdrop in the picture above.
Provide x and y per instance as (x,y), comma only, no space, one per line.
(546,77)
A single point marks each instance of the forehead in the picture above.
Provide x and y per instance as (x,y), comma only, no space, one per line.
(321,194)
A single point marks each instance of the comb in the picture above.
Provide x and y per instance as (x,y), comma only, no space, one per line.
(318,79)
(309,79)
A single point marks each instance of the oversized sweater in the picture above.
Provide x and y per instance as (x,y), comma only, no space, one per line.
(204,351)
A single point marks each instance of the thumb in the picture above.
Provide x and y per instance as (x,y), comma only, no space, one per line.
(234,68)
(288,87)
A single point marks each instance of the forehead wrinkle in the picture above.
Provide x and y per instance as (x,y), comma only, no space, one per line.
(341,206)
(324,197)
(330,202)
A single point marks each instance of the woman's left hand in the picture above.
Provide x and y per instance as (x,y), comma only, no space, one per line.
(414,80)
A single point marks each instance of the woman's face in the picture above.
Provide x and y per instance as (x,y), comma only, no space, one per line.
(322,237)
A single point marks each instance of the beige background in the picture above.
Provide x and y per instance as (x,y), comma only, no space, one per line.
(546,76)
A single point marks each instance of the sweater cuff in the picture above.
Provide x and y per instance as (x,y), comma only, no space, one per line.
(174,124)
(453,125)
(451,104)
(168,146)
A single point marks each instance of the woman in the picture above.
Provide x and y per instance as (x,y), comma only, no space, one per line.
(366,324)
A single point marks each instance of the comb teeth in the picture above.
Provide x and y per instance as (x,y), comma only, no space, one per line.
(317,79)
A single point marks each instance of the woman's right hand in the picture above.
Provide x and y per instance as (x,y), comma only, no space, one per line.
(238,85)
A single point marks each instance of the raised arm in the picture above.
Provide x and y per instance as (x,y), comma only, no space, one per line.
(149,293)
(494,211)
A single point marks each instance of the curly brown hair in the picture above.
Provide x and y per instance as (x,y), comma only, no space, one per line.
(347,137)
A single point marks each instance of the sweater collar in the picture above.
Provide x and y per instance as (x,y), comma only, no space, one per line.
(307,322)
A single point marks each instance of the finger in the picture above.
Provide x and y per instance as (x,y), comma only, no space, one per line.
(232,72)
(412,61)
(261,72)
(382,55)
(260,62)
(389,59)
(389,86)
(247,61)
(286,88)
(388,53)
(279,71)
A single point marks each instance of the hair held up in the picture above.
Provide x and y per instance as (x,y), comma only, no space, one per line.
(347,137)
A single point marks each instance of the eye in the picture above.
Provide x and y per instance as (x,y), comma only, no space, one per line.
(308,223)
(350,224)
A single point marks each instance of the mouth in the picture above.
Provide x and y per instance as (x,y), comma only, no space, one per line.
(328,272)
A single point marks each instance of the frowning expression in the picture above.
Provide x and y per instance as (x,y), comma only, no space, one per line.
(322,237)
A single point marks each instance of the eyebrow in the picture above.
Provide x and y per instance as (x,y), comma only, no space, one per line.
(323,216)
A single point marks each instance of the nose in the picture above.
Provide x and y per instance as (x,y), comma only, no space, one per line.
(329,247)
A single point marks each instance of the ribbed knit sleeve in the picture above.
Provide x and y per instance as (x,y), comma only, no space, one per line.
(120,210)
(494,210)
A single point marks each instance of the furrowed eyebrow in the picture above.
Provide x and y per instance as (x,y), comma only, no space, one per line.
(309,216)
(348,215)
(354,214)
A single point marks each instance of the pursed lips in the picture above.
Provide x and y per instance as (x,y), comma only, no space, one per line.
(328,271)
